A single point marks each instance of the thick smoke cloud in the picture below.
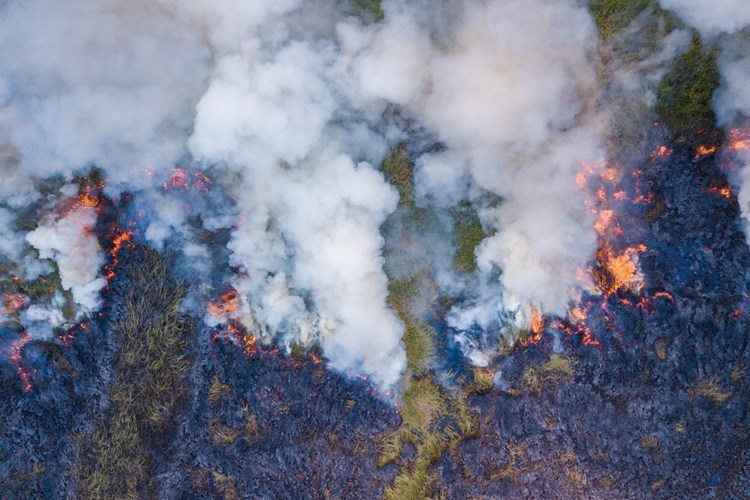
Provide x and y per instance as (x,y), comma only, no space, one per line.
(290,105)
(508,88)
(69,242)
(711,17)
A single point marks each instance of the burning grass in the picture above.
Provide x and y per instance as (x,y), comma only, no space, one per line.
(147,388)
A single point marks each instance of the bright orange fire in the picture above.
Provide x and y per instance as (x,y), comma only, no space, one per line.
(725,191)
(121,239)
(660,152)
(618,271)
(704,151)
(536,328)
(16,350)
(14,302)
(226,306)
(739,140)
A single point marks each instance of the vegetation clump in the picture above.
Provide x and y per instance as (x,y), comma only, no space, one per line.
(711,390)
(685,95)
(613,15)
(148,386)
(556,370)
(397,168)
(469,234)
(433,420)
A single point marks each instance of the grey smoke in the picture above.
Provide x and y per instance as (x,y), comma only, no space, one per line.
(286,102)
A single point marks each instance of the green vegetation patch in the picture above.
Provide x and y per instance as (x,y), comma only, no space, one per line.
(469,234)
(369,9)
(418,335)
(433,420)
(613,15)
(685,94)
(398,170)
(116,461)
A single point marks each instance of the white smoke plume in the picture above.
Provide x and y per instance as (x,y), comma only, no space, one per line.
(70,243)
(508,88)
(711,17)
(287,102)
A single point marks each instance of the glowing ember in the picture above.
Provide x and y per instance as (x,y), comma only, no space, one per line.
(226,306)
(725,191)
(16,351)
(664,295)
(14,302)
(704,151)
(660,152)
(181,180)
(120,239)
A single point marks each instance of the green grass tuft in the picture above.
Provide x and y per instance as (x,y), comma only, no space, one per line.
(397,168)
(613,15)
(370,9)
(685,94)
(469,234)
(148,385)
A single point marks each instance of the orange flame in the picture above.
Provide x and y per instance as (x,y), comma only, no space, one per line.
(739,140)
(121,239)
(14,302)
(704,151)
(725,191)
(226,306)
(16,349)
(660,152)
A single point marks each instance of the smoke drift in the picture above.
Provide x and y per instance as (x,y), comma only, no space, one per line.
(290,106)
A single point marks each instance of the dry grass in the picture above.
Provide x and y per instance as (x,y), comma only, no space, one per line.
(558,369)
(710,389)
(483,382)
(217,390)
(225,486)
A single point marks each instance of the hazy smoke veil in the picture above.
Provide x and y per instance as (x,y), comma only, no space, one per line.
(286,102)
